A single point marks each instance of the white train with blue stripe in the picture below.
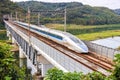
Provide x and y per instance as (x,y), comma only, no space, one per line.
(63,38)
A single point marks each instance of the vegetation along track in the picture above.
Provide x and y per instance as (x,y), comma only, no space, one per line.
(74,55)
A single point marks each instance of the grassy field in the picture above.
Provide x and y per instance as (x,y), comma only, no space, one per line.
(3,35)
(89,32)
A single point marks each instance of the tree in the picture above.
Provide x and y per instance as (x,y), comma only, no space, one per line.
(54,74)
(116,72)
(8,7)
(94,76)
(73,76)
(8,68)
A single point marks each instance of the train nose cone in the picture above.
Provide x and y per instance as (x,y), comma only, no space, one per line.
(84,48)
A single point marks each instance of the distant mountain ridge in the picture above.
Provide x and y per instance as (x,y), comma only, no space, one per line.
(35,5)
(117,11)
(77,13)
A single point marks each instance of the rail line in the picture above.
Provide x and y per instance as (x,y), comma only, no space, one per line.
(88,60)
(101,58)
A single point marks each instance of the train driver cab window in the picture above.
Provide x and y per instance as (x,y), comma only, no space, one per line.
(75,40)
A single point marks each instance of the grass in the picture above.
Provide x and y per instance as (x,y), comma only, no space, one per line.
(118,48)
(3,35)
(89,32)
(2,27)
(98,35)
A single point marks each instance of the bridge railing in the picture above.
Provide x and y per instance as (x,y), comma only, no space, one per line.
(65,61)
(58,57)
(29,50)
(102,50)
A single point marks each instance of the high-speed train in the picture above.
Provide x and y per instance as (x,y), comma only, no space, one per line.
(63,38)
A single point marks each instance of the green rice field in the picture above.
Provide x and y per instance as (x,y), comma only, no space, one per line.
(91,32)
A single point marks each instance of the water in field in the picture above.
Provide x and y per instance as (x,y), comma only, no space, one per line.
(112,42)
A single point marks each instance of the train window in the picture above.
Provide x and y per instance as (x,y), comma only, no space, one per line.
(47,33)
(55,36)
(22,25)
(75,40)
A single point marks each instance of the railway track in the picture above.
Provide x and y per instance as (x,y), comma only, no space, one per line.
(102,58)
(96,61)
(90,60)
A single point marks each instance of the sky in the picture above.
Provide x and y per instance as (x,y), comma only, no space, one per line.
(112,4)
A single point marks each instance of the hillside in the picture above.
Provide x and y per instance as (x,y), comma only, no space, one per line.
(35,5)
(77,13)
(117,11)
(7,7)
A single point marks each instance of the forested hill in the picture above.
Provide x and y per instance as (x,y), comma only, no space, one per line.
(77,12)
(6,7)
(35,5)
(117,11)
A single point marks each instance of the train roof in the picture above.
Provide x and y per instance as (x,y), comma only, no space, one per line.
(61,33)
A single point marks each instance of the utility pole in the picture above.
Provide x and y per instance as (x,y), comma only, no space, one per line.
(38,19)
(65,20)
(29,23)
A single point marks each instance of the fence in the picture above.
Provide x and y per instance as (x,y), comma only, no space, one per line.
(102,50)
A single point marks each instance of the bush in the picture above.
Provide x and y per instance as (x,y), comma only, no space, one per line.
(9,70)
(94,76)
(72,76)
(54,74)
